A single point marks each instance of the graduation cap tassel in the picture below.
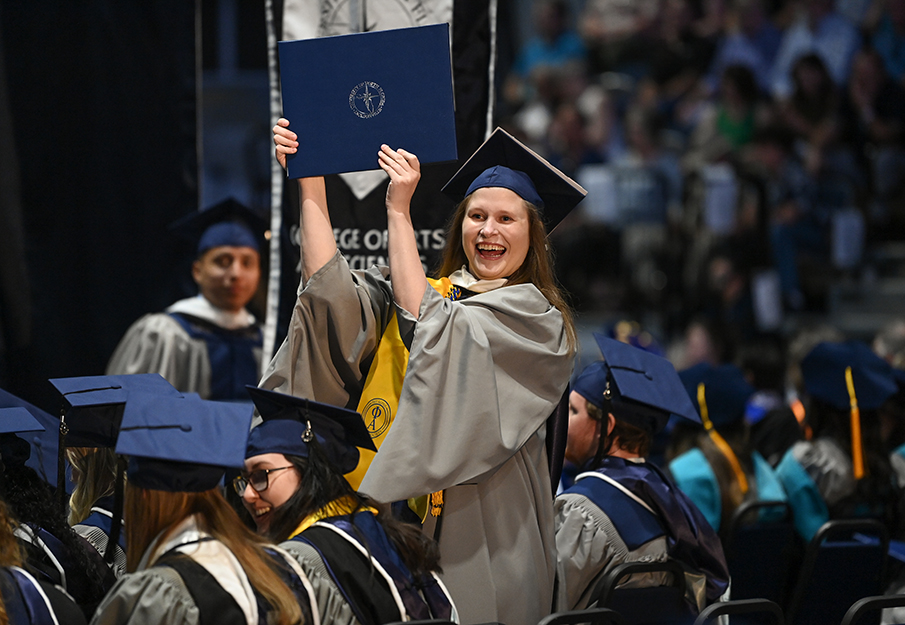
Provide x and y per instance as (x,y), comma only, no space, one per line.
(721,443)
(116,523)
(61,460)
(857,449)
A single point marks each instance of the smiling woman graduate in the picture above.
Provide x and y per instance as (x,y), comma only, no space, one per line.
(366,567)
(455,377)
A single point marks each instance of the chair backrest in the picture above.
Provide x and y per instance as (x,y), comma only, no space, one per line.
(844,562)
(662,604)
(760,543)
(869,604)
(592,616)
(746,607)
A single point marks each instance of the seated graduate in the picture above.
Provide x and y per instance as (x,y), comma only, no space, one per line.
(190,558)
(53,552)
(209,344)
(844,470)
(91,411)
(365,566)
(622,508)
(25,600)
(722,472)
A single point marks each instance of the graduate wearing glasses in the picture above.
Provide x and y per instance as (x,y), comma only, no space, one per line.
(365,566)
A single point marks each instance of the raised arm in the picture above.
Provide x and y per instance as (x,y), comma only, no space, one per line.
(317,242)
(406,270)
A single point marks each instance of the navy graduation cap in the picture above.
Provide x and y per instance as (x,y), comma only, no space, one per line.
(227,223)
(178,444)
(504,161)
(90,416)
(292,423)
(824,373)
(641,388)
(16,420)
(93,405)
(725,392)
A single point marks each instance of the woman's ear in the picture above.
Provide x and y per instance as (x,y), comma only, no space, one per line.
(610,423)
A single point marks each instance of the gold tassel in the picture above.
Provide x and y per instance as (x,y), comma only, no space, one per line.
(857,449)
(721,443)
(436,506)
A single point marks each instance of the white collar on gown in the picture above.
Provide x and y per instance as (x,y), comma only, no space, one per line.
(201,308)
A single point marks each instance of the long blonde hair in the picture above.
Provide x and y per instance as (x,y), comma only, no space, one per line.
(160,512)
(537,267)
(96,469)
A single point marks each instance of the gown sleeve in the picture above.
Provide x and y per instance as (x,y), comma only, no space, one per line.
(483,375)
(335,326)
(332,606)
(156,343)
(149,597)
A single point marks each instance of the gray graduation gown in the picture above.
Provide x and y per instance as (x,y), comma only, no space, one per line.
(483,376)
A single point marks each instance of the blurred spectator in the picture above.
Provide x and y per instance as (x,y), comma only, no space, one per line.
(751,40)
(811,113)
(889,39)
(795,225)
(566,145)
(728,124)
(821,30)
(617,33)
(555,45)
(552,58)
(643,129)
(889,344)
(728,296)
(873,113)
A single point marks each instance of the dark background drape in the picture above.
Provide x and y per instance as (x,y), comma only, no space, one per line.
(98,118)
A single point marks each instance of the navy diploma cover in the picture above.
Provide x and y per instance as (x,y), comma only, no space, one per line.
(346,95)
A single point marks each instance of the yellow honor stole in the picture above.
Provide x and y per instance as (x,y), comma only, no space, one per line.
(382,388)
(337,507)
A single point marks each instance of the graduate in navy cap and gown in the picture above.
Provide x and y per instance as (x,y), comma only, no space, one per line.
(366,567)
(190,558)
(455,376)
(622,508)
(52,551)
(90,414)
(209,344)
(844,470)
(27,600)
(722,471)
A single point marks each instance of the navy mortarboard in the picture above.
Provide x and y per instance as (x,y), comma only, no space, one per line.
(636,386)
(823,371)
(849,376)
(504,161)
(724,395)
(16,420)
(367,89)
(720,395)
(181,444)
(227,223)
(292,423)
(90,416)
(93,405)
(43,455)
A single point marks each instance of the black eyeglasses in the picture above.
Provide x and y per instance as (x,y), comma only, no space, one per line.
(259,480)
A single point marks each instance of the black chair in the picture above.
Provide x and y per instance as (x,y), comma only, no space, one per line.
(592,616)
(746,607)
(868,604)
(760,544)
(844,562)
(659,605)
